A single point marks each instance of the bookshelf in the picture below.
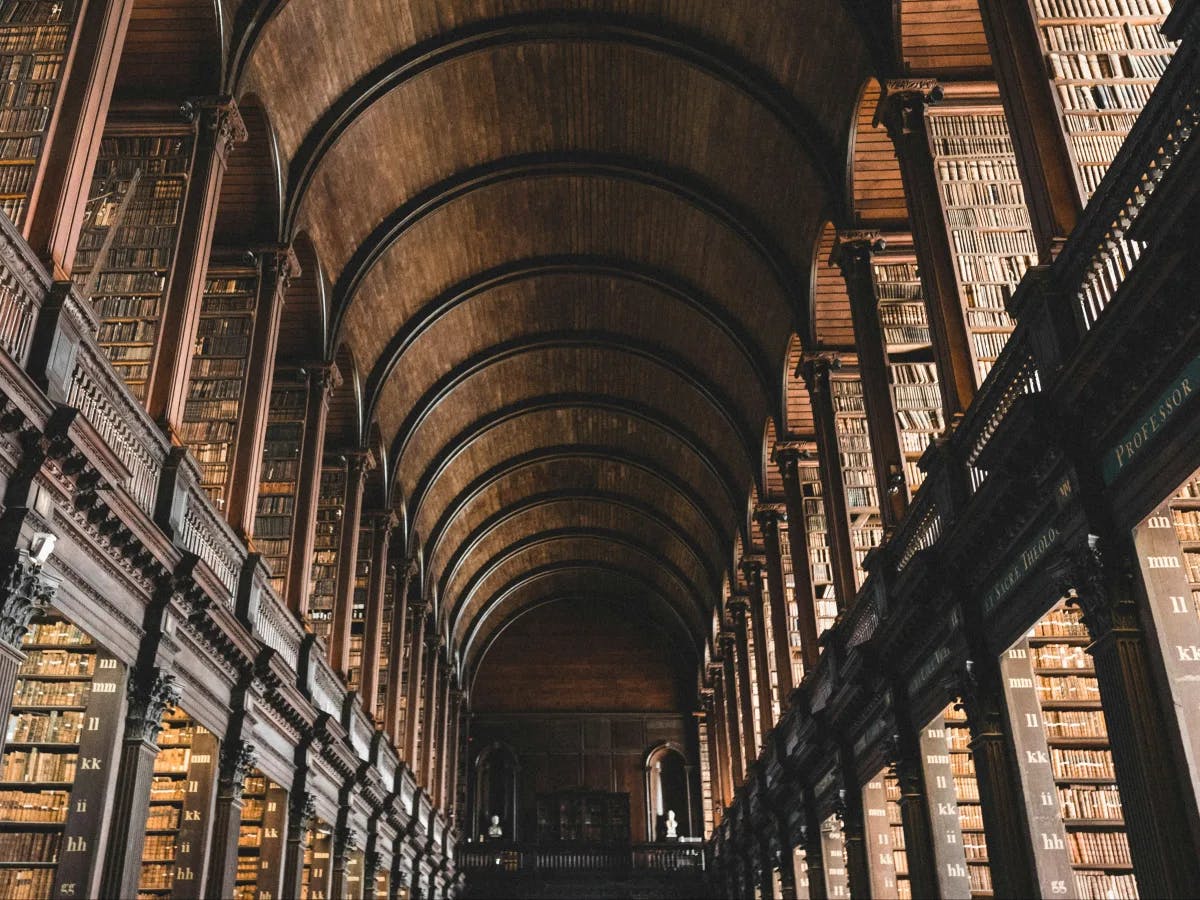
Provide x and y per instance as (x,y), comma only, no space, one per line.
(595,817)
(944,789)
(358,610)
(707,776)
(817,534)
(260,838)
(884,865)
(218,376)
(279,482)
(1104,58)
(66,708)
(833,850)
(987,220)
(858,469)
(177,819)
(34,38)
(916,397)
(1052,690)
(318,862)
(385,642)
(134,276)
(966,794)
(330,499)
(1185,518)
(769,639)
(795,649)
(895,820)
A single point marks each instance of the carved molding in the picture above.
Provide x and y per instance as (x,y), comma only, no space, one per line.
(26,592)
(150,692)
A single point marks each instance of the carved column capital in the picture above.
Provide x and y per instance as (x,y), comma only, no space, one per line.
(815,368)
(727,639)
(853,251)
(325,377)
(752,570)
(738,605)
(788,457)
(1086,573)
(902,106)
(25,591)
(281,262)
(220,117)
(302,810)
(238,759)
(768,516)
(150,691)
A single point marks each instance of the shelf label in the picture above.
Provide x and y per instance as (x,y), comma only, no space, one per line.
(949,855)
(1153,419)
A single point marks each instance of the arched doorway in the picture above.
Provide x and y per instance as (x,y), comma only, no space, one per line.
(497,777)
(668,789)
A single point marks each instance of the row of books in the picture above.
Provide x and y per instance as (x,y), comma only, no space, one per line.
(1108,66)
(37,12)
(31,845)
(1080,763)
(61,662)
(1096,886)
(1099,848)
(38,765)
(33,806)
(159,848)
(26,883)
(52,727)
(30,692)
(1060,656)
(1074,723)
(1067,687)
(1089,801)
(162,818)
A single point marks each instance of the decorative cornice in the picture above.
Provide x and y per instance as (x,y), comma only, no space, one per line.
(25,591)
(150,691)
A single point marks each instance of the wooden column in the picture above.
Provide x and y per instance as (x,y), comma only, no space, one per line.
(854,827)
(151,690)
(718,739)
(752,569)
(277,267)
(397,678)
(787,457)
(1161,840)
(416,676)
(814,849)
(444,750)
(996,771)
(357,466)
(902,111)
(914,801)
(382,524)
(323,379)
(450,752)
(220,126)
(767,518)
(1047,175)
(815,370)
(237,759)
(733,730)
(738,609)
(852,254)
(58,200)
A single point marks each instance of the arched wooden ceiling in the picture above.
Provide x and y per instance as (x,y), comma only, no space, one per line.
(567,245)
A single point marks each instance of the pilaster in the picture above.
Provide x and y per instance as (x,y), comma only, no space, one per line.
(358,464)
(787,457)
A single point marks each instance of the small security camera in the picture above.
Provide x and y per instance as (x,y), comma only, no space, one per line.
(42,546)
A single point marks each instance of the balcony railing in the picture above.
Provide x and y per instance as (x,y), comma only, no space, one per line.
(504,856)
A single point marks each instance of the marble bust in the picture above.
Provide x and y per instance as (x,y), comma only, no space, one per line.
(672,825)
(494,830)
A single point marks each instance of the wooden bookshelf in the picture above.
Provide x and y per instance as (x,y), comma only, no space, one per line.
(1104,58)
(34,38)
(789,595)
(707,776)
(819,560)
(858,469)
(330,501)
(947,794)
(260,837)
(177,824)
(385,642)
(66,708)
(1061,733)
(134,275)
(881,841)
(1185,517)
(916,397)
(983,202)
(358,610)
(895,820)
(318,862)
(279,482)
(218,377)
(966,792)
(833,847)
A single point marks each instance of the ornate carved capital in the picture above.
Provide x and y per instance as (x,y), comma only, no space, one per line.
(150,691)
(768,516)
(220,117)
(302,810)
(1086,574)
(902,106)
(853,251)
(238,759)
(752,570)
(347,840)
(814,368)
(324,377)
(727,639)
(25,591)
(371,865)
(738,606)
(281,262)
(979,698)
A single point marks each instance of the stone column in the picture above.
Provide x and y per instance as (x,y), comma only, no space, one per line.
(345,842)
(733,729)
(277,267)
(1047,174)
(752,569)
(738,609)
(382,524)
(323,379)
(902,111)
(852,254)
(815,370)
(302,810)
(787,457)
(397,678)
(58,202)
(415,686)
(1161,841)
(237,759)
(429,713)
(219,127)
(358,464)
(151,689)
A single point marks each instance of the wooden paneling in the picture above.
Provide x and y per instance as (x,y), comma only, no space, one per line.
(249,208)
(875,172)
(834,326)
(172,51)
